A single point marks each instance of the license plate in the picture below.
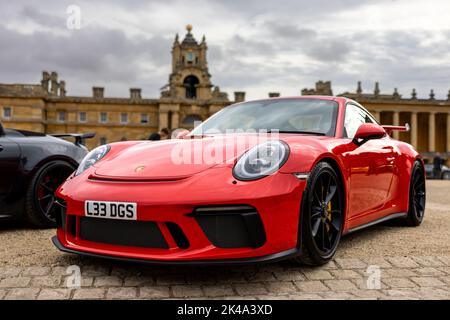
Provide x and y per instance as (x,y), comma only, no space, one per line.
(110,210)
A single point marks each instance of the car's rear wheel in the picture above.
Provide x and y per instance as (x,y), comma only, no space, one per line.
(41,206)
(322,216)
(417,196)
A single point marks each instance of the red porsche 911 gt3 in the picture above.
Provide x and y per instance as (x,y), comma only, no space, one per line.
(258,181)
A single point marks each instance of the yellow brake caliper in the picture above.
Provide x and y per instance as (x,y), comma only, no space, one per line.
(328,215)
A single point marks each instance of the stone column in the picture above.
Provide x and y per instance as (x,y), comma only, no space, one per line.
(448,132)
(175,120)
(396,120)
(163,119)
(414,129)
(431,131)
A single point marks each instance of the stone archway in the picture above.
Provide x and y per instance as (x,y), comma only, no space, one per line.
(190,83)
(190,120)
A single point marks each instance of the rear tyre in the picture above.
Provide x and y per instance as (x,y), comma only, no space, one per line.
(417,196)
(40,203)
(322,216)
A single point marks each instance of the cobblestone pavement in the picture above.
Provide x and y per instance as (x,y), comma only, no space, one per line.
(412,263)
(401,278)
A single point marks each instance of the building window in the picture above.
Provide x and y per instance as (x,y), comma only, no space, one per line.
(7,112)
(82,117)
(103,141)
(61,116)
(144,118)
(124,117)
(103,117)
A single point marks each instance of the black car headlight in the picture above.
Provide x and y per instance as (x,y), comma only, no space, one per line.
(92,157)
(261,160)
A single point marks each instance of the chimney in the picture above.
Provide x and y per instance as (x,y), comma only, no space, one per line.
(98,92)
(239,96)
(62,88)
(135,94)
(54,82)
(274,94)
(45,80)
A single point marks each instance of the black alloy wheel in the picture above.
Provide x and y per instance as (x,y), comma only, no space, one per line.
(41,205)
(417,196)
(322,216)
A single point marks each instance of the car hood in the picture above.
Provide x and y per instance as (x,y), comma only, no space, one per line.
(172,159)
(177,158)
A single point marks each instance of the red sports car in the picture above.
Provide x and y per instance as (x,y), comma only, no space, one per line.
(259,181)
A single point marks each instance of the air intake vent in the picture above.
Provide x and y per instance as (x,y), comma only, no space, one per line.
(231,226)
(178,235)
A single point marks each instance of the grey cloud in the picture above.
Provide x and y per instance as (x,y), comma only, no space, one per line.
(102,55)
(42,18)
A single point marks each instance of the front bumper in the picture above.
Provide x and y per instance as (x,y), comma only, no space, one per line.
(265,259)
(276,199)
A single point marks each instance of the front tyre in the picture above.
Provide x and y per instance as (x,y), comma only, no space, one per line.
(417,196)
(322,216)
(40,204)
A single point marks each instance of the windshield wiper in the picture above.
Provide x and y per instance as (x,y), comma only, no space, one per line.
(297,132)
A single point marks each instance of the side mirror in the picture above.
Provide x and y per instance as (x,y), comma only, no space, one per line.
(368,131)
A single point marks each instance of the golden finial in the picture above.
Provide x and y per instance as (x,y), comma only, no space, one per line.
(189,28)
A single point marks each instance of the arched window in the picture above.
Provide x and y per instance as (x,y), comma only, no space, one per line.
(190,83)
(189,120)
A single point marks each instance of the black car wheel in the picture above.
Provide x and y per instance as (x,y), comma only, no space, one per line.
(41,206)
(322,216)
(417,196)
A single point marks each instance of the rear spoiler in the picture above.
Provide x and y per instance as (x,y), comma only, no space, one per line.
(79,137)
(389,129)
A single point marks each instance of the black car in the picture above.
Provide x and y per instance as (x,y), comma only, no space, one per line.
(444,175)
(32,166)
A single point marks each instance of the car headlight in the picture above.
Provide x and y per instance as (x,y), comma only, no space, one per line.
(92,157)
(261,160)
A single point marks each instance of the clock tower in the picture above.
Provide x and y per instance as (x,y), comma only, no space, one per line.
(190,78)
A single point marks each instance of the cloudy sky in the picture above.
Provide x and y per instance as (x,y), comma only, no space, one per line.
(254,45)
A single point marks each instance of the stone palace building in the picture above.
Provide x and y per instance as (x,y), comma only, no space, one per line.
(190,96)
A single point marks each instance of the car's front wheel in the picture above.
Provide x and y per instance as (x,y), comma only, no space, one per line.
(417,196)
(40,205)
(322,216)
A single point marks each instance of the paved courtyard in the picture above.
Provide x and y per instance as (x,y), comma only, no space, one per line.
(384,262)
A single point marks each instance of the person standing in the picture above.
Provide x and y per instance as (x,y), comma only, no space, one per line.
(437,166)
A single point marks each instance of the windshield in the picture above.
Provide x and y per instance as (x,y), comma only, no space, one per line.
(311,116)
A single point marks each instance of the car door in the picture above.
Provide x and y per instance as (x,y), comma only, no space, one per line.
(371,166)
(9,164)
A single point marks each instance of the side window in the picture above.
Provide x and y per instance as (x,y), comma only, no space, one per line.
(354,117)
